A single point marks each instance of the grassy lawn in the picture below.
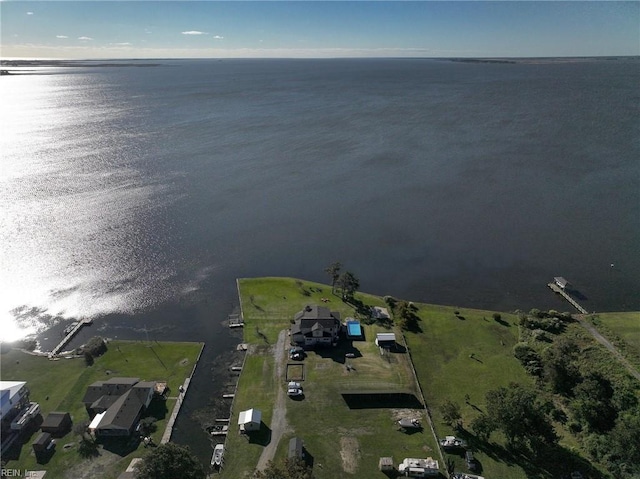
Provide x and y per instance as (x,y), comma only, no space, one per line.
(344,435)
(458,354)
(60,386)
(462,354)
(622,330)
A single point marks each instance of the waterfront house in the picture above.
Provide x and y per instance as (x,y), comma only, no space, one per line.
(14,397)
(316,325)
(117,405)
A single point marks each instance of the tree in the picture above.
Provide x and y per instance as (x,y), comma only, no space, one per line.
(451,413)
(169,461)
(529,358)
(516,411)
(592,406)
(334,271)
(287,469)
(95,346)
(560,368)
(88,358)
(404,315)
(348,284)
(148,425)
(482,426)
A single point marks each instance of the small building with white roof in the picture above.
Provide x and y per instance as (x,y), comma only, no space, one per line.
(250,420)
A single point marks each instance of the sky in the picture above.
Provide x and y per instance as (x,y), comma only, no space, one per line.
(316,29)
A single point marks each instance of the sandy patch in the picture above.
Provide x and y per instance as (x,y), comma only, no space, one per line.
(397,414)
(94,467)
(350,454)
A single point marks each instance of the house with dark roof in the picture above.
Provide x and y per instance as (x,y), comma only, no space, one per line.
(316,325)
(118,404)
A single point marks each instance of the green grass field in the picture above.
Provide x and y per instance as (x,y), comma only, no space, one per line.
(464,355)
(342,440)
(458,354)
(622,330)
(61,384)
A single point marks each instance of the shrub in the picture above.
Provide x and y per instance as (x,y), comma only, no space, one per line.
(95,347)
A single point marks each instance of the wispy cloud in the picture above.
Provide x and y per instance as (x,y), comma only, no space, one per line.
(218,37)
(29,13)
(194,32)
(61,36)
(122,44)
(85,38)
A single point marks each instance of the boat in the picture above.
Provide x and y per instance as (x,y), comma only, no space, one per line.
(218,452)
(409,423)
(452,442)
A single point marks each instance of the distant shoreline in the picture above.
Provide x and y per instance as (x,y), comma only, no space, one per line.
(143,62)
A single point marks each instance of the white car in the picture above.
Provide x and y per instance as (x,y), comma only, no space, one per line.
(294,392)
(294,389)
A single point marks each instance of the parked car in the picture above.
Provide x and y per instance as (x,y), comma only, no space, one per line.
(471,461)
(296,353)
(294,392)
(294,389)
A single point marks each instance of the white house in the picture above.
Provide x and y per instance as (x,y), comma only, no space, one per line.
(250,420)
(14,395)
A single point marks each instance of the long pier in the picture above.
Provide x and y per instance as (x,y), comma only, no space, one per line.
(557,289)
(77,327)
(168,430)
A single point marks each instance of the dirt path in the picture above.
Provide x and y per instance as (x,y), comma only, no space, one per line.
(605,342)
(279,419)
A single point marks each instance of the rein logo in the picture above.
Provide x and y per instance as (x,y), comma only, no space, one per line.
(17,473)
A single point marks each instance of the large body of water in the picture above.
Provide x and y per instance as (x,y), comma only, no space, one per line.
(137,195)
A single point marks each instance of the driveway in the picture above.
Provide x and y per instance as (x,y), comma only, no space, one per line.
(279,417)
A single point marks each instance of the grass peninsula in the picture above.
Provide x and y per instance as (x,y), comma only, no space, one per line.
(449,355)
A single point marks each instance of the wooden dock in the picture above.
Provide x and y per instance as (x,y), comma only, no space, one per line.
(168,430)
(166,436)
(70,333)
(235,321)
(557,289)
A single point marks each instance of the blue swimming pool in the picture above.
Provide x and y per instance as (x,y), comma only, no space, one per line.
(354,329)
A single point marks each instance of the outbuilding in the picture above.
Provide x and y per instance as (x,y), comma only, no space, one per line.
(561,282)
(385,464)
(386,340)
(250,420)
(42,442)
(57,423)
(295,448)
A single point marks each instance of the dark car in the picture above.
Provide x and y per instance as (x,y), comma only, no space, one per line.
(471,462)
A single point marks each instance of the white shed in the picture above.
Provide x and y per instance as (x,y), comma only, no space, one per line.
(250,420)
(385,339)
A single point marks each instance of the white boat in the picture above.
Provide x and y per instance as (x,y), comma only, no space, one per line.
(218,452)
